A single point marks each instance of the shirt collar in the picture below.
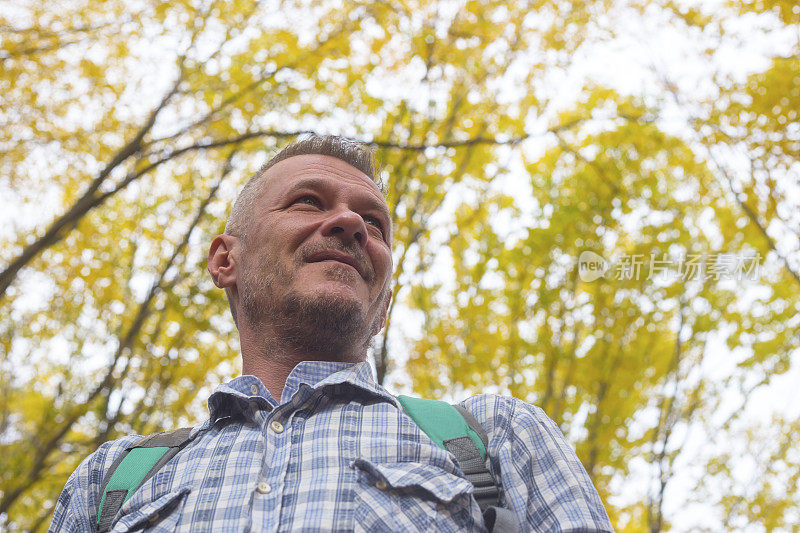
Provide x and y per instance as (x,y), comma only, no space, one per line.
(237,396)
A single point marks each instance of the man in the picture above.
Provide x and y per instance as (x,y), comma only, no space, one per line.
(306,439)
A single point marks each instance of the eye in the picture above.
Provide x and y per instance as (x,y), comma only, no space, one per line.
(374,222)
(308,200)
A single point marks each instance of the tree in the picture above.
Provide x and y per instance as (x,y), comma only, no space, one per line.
(128,128)
(137,112)
(626,366)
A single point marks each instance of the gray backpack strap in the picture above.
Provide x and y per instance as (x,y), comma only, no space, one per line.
(500,520)
(472,463)
(487,493)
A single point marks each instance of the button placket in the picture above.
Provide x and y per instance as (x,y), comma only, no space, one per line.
(276,454)
(264,507)
(268,487)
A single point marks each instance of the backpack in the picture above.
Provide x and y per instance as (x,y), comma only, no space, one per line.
(449,426)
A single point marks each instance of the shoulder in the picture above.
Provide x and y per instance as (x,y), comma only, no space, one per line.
(77,506)
(108,452)
(543,480)
(508,414)
(521,426)
(99,462)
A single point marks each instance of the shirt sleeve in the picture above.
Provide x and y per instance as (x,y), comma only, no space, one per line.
(76,508)
(541,478)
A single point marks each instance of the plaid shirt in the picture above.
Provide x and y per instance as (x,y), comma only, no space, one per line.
(339,454)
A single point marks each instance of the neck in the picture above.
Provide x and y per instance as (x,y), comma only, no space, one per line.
(270,356)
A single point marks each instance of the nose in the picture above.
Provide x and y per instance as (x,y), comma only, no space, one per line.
(346,225)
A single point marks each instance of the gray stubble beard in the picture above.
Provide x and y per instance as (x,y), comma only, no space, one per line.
(324,326)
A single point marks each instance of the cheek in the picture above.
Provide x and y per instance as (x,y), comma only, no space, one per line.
(382,259)
(288,236)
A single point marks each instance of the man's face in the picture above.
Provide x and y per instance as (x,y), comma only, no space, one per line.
(317,259)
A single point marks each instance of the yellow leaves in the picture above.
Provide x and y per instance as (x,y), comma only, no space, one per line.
(767,462)
(609,345)
(90,69)
(788,11)
(688,14)
(490,269)
(631,519)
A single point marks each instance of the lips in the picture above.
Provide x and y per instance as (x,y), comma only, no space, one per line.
(334,255)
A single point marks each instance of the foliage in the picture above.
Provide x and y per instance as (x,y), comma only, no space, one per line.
(127,128)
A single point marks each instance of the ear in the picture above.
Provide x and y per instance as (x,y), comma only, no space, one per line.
(223,261)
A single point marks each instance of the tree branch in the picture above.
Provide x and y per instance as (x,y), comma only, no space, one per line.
(84,204)
(124,346)
(722,171)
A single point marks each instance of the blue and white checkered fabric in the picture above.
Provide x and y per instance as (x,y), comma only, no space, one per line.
(339,454)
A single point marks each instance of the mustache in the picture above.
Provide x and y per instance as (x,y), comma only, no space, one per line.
(356,252)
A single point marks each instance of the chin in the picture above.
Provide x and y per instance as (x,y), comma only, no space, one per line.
(325,321)
(336,282)
(335,291)
(338,301)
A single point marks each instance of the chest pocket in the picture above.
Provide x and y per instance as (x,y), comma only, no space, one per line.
(159,516)
(409,496)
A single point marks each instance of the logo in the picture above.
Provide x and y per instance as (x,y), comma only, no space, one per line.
(591,266)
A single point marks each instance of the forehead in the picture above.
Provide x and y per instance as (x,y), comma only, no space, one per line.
(308,168)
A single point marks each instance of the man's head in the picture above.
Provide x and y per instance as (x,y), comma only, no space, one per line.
(306,252)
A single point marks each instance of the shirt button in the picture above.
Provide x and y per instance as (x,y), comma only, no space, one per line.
(263,487)
(254,389)
(380,484)
(276,426)
(153,519)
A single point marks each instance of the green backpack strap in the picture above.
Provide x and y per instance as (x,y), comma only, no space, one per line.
(455,429)
(137,463)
